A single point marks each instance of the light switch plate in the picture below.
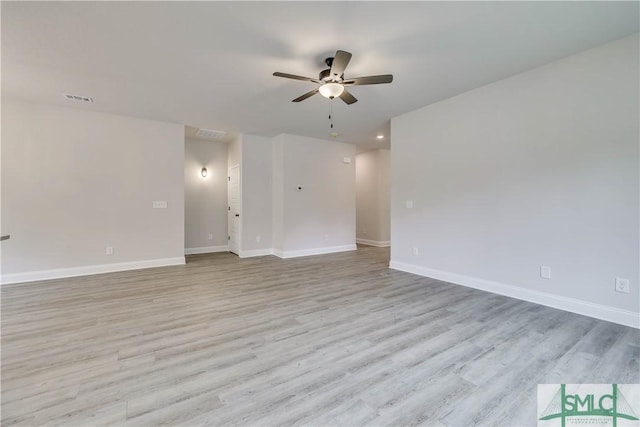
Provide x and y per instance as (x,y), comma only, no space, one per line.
(346,160)
(545,272)
(409,204)
(159,204)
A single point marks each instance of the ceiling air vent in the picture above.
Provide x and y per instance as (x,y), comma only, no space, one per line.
(78,98)
(210,134)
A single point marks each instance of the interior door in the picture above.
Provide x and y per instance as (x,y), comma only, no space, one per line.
(234,209)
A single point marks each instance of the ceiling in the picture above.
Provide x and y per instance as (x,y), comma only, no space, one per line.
(210,64)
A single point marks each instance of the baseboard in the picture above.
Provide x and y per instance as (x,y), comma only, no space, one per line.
(585,308)
(377,243)
(255,252)
(61,273)
(314,251)
(206,250)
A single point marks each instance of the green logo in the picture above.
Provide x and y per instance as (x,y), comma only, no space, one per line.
(602,404)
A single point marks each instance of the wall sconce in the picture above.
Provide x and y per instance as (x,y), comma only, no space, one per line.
(203,172)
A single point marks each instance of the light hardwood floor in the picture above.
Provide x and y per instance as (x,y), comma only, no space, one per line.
(326,340)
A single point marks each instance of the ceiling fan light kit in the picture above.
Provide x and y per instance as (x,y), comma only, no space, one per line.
(331,90)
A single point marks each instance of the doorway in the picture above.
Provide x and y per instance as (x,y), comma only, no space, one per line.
(234,209)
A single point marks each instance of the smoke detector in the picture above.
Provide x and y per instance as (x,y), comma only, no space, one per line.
(78,98)
(210,134)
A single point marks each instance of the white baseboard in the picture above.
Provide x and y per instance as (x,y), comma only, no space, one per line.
(585,308)
(378,243)
(314,251)
(255,252)
(61,273)
(206,250)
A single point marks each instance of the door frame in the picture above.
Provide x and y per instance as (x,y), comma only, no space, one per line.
(229,217)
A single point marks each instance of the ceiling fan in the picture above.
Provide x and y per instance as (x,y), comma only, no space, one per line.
(332,82)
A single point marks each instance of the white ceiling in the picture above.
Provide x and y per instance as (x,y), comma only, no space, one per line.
(210,64)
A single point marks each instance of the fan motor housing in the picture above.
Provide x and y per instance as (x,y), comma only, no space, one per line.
(325,76)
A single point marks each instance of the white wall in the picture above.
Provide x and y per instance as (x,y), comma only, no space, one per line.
(277,202)
(277,219)
(321,217)
(384,195)
(373,197)
(256,196)
(537,169)
(234,151)
(75,182)
(205,212)
(234,158)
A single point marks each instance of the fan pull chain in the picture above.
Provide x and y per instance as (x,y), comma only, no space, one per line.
(331,113)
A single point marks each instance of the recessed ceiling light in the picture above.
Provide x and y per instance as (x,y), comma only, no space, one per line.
(380,136)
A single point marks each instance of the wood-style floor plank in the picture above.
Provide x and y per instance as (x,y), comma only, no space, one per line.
(335,339)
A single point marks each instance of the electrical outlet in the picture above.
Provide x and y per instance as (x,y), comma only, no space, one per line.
(409,204)
(415,252)
(210,236)
(326,237)
(622,285)
(258,238)
(545,272)
(109,250)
